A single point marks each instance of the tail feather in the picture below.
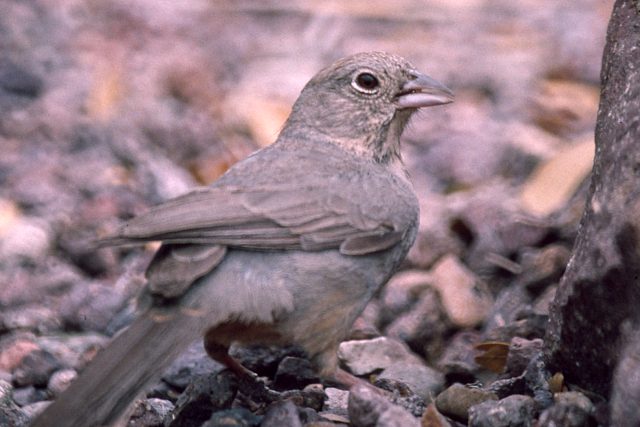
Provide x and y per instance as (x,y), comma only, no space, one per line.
(119,373)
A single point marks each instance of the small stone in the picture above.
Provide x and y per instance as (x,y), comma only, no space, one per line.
(60,380)
(262,359)
(369,408)
(336,401)
(295,373)
(92,306)
(521,351)
(33,318)
(73,350)
(395,416)
(313,397)
(191,363)
(457,361)
(13,350)
(402,396)
(403,290)
(20,81)
(465,299)
(236,417)
(27,238)
(150,413)
(363,357)
(282,413)
(26,395)
(570,409)
(35,369)
(423,327)
(424,381)
(513,411)
(456,400)
(204,396)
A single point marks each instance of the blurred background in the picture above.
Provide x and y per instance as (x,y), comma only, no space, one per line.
(108,107)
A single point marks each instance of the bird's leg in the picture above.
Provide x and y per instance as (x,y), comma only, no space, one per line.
(248,381)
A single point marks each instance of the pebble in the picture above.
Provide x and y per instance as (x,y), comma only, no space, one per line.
(150,413)
(570,409)
(283,413)
(205,395)
(423,327)
(363,357)
(191,363)
(26,238)
(60,380)
(236,417)
(336,401)
(367,408)
(35,369)
(513,411)
(465,298)
(521,351)
(424,381)
(295,373)
(456,400)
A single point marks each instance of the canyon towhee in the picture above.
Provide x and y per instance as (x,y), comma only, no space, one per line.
(287,247)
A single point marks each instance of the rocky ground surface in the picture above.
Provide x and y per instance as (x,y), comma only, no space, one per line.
(107,108)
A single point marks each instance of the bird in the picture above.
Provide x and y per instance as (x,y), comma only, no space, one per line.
(288,246)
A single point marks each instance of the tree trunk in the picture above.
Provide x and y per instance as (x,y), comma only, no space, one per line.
(597,303)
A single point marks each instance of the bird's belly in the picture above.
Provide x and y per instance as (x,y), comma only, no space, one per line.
(306,298)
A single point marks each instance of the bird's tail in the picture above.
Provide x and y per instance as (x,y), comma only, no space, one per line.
(119,373)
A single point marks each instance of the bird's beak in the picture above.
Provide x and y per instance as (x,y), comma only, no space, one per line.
(423,91)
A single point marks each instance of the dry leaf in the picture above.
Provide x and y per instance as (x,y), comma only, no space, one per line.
(553,182)
(556,382)
(494,355)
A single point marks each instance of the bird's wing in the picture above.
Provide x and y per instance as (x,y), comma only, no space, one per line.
(277,217)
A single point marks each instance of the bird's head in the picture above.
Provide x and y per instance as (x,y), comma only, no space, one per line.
(363,102)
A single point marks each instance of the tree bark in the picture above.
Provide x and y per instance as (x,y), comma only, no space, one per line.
(597,302)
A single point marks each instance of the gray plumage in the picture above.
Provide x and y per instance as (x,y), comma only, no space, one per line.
(287,247)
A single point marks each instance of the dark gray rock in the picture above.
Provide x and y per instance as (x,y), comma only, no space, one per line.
(513,411)
(295,373)
(192,363)
(202,397)
(35,369)
(91,306)
(521,351)
(600,290)
(536,378)
(457,361)
(262,359)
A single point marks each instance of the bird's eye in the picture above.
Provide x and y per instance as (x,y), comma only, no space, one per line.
(366,82)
